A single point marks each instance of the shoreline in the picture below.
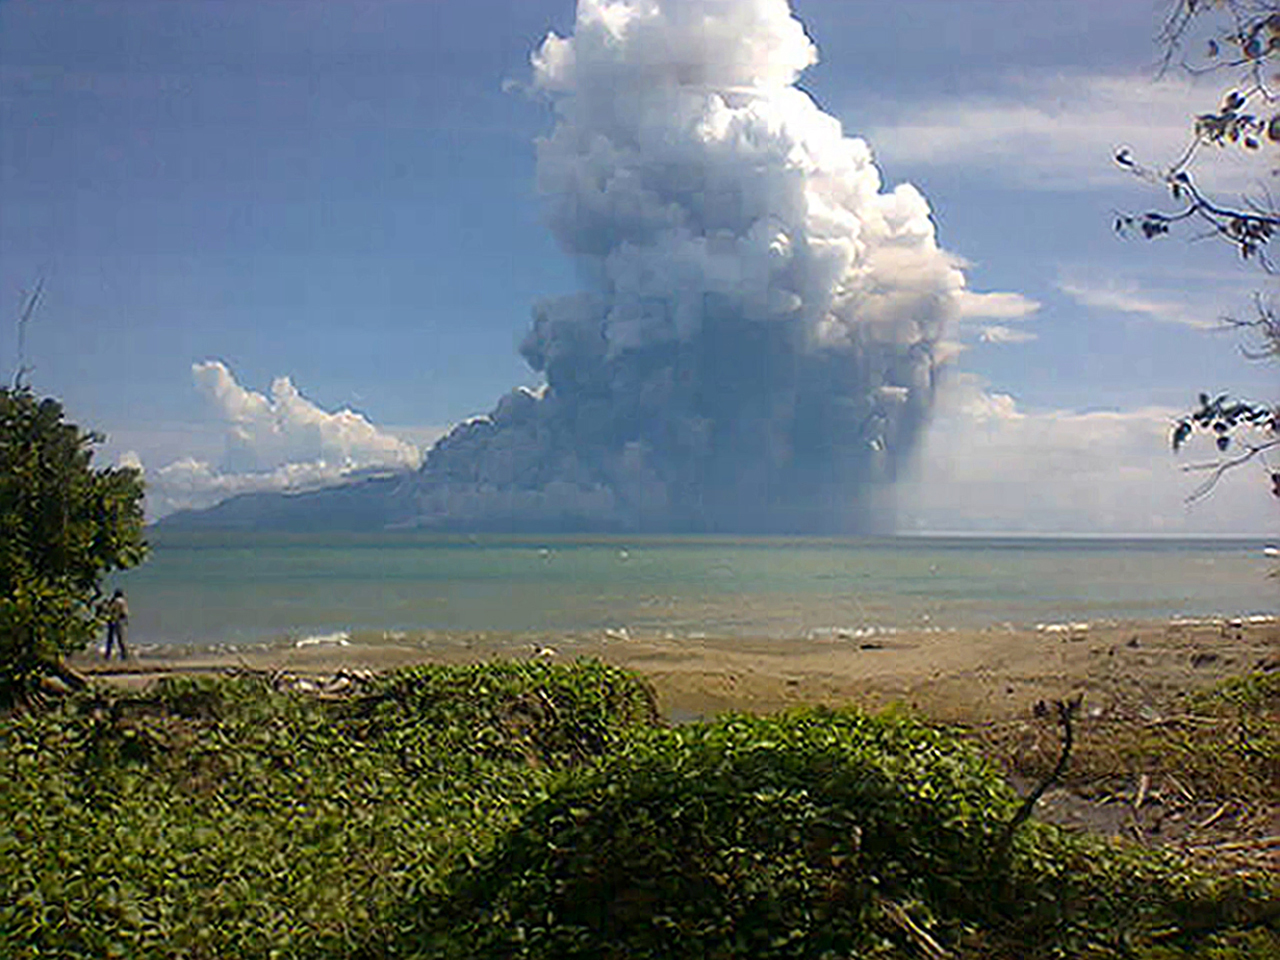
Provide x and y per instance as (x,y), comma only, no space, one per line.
(970,675)
(1138,681)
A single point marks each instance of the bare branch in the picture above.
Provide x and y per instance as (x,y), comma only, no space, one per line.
(31,301)
(1267,325)
(1066,711)
(1221,467)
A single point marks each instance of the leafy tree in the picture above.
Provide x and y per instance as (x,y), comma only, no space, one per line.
(1240,38)
(63,524)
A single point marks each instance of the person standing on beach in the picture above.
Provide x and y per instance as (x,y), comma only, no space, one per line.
(117,622)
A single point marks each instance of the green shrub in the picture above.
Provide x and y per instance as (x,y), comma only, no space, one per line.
(527,711)
(218,817)
(743,837)
(816,834)
(1082,896)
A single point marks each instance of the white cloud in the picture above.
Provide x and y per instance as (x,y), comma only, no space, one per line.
(1127,296)
(266,432)
(988,465)
(996,306)
(423,437)
(189,481)
(1007,307)
(1062,132)
(999,334)
(277,442)
(130,459)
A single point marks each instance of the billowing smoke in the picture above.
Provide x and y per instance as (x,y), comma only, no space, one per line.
(755,343)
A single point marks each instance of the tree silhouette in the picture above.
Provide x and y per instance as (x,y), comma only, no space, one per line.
(1241,39)
(63,524)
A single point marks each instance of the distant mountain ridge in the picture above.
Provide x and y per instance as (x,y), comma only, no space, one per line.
(368,504)
(431,499)
(408,500)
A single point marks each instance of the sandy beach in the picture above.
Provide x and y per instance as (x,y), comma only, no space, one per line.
(970,675)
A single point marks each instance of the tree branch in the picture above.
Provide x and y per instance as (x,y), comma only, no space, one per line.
(1220,468)
(29,305)
(1066,711)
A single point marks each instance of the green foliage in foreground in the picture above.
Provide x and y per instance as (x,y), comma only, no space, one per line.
(63,525)
(535,810)
(744,837)
(812,835)
(219,818)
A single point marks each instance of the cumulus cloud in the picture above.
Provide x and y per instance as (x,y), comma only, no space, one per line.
(1062,132)
(264,432)
(987,465)
(281,441)
(756,341)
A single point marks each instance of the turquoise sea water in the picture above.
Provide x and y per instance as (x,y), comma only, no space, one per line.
(245,588)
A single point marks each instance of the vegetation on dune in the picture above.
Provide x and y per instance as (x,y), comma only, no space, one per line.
(818,834)
(530,809)
(742,837)
(221,818)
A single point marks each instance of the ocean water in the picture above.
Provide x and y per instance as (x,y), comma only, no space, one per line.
(238,588)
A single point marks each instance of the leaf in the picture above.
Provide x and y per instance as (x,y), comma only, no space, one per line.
(1180,434)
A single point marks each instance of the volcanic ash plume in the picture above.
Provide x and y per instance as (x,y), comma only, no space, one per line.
(753,346)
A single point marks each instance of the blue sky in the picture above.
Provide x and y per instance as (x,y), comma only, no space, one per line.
(344,194)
